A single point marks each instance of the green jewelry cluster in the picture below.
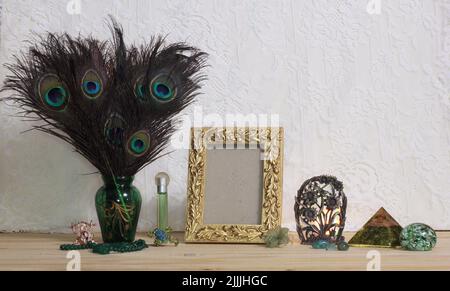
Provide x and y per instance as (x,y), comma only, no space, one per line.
(163,237)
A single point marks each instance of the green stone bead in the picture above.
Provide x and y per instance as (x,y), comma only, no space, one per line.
(418,237)
(343,246)
(321,244)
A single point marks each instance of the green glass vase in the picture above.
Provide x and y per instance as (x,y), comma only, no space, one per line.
(118,205)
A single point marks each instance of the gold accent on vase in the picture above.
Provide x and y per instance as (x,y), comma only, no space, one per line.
(118,217)
(270,140)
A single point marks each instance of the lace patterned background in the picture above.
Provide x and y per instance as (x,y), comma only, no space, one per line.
(363,96)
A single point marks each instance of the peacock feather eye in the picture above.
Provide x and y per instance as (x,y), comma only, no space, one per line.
(163,88)
(91,84)
(139,89)
(53,92)
(114,130)
(139,143)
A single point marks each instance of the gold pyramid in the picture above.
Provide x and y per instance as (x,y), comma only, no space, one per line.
(382,230)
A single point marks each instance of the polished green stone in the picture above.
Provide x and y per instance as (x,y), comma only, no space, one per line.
(418,237)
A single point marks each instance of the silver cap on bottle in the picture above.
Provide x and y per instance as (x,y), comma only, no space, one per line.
(162,181)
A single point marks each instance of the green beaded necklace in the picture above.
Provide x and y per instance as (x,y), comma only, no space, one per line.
(106,248)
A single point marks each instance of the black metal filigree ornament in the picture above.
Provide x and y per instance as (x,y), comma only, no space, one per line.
(320,208)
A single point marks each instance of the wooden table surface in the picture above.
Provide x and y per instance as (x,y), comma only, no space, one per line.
(27,251)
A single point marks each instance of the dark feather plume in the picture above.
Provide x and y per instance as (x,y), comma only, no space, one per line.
(116,105)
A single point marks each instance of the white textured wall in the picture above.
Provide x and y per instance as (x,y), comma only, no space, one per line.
(364,97)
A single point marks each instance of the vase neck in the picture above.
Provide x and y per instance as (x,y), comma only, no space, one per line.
(117,181)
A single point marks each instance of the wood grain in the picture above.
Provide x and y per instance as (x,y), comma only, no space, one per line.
(27,251)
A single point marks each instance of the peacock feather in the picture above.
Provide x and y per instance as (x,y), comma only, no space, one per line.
(115,104)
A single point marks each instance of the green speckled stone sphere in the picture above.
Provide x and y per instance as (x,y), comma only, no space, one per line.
(418,237)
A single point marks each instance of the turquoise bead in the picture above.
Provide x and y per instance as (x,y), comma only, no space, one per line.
(321,244)
(418,237)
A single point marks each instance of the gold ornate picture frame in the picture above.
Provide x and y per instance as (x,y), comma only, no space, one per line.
(270,142)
